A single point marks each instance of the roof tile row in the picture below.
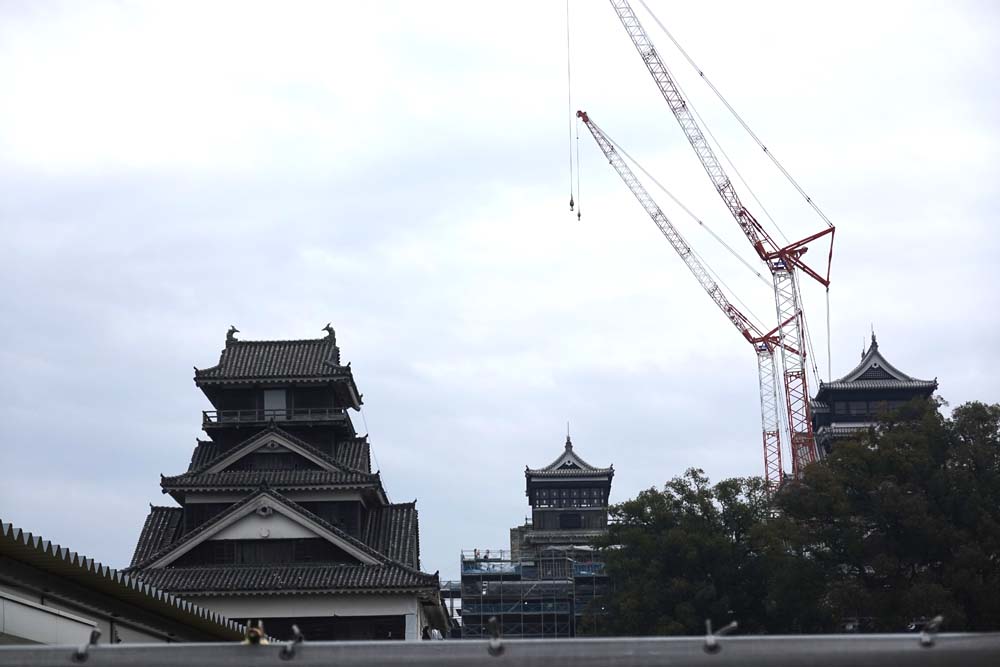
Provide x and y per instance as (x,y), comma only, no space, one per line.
(309,358)
(393,531)
(162,527)
(230,480)
(19,543)
(310,578)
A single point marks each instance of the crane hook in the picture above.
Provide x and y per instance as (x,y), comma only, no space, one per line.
(571,202)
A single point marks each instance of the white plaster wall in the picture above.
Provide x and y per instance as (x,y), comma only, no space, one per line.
(28,617)
(242,608)
(23,620)
(255,527)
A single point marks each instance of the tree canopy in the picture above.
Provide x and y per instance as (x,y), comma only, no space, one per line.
(894,527)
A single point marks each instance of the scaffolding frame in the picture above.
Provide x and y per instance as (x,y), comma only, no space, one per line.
(543,594)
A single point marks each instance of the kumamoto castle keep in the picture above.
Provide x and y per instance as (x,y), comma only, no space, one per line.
(280,516)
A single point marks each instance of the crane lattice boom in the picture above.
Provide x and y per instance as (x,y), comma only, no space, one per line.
(739,320)
(781,261)
(765,344)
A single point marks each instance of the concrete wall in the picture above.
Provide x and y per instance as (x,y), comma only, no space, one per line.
(242,608)
(27,617)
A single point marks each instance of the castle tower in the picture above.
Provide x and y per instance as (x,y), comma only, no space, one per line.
(552,582)
(569,502)
(851,405)
(279,516)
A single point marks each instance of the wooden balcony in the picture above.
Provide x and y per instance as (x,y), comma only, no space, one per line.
(311,416)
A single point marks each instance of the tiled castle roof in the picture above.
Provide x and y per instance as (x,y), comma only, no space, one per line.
(389,536)
(393,530)
(162,527)
(875,372)
(250,360)
(241,480)
(569,464)
(353,453)
(343,473)
(204,451)
(305,578)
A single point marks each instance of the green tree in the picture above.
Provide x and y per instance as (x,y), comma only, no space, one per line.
(903,523)
(685,554)
(898,525)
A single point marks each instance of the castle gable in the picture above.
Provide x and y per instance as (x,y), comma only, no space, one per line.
(264,516)
(273,442)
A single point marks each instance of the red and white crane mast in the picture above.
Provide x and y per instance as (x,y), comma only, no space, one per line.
(782,262)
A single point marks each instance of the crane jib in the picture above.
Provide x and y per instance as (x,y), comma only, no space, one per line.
(782,262)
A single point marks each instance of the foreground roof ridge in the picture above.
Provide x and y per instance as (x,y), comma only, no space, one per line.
(10,535)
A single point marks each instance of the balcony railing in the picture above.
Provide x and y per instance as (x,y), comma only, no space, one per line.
(237,417)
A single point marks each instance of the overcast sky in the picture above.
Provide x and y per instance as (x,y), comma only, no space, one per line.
(169,169)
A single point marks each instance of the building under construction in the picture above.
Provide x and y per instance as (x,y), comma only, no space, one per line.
(550,583)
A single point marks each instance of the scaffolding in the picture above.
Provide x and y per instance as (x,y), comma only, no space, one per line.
(552,593)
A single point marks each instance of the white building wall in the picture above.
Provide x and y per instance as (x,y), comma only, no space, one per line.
(28,617)
(241,608)
(24,621)
(255,527)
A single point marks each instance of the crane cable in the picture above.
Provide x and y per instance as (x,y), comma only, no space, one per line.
(770,155)
(829,350)
(739,118)
(811,356)
(725,156)
(371,450)
(688,211)
(569,114)
(579,206)
(712,272)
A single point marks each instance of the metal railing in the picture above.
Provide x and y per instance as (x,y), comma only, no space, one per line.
(250,416)
(914,650)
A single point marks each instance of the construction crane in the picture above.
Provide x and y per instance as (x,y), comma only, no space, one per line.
(765,344)
(783,262)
